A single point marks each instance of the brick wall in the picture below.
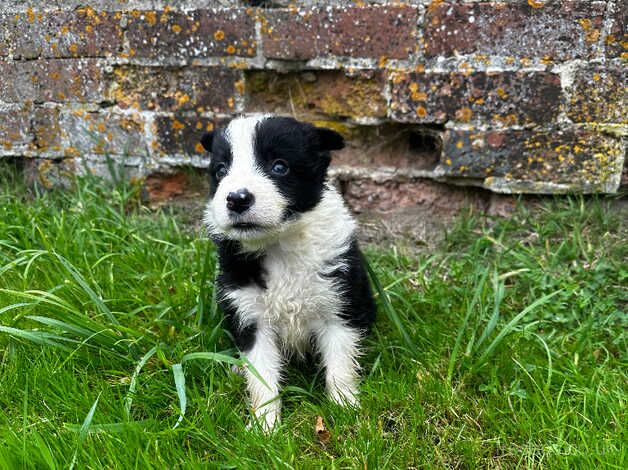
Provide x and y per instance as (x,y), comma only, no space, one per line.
(513,96)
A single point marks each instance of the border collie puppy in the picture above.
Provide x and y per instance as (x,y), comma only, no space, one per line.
(292,279)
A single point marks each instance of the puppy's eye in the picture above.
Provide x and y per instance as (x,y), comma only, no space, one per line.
(221,171)
(279,168)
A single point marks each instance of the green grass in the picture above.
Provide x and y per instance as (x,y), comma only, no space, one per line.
(504,347)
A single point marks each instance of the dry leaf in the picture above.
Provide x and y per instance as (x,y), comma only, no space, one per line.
(321,431)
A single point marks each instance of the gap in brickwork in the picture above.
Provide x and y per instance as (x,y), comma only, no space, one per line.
(390,146)
(265,4)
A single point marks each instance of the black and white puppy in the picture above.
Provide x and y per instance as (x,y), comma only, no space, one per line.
(292,279)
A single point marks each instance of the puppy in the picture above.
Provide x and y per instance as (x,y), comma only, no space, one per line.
(292,278)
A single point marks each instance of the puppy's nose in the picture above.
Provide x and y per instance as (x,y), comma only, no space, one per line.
(240,200)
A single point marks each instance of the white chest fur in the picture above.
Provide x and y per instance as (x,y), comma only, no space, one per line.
(299,299)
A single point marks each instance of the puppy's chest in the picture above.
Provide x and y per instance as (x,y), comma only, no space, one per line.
(297,299)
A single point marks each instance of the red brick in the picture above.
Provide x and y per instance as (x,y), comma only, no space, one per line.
(177,89)
(558,30)
(52,80)
(162,187)
(371,32)
(617,40)
(505,98)
(599,95)
(582,160)
(80,33)
(195,34)
(395,195)
(182,134)
(317,94)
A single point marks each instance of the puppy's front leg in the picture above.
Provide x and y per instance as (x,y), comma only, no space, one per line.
(265,357)
(338,346)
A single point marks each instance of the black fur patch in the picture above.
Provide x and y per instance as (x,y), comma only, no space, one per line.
(221,154)
(300,146)
(358,307)
(237,270)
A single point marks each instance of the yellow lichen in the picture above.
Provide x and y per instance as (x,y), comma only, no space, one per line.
(464,114)
(181,98)
(240,86)
(219,35)
(151,17)
(536,3)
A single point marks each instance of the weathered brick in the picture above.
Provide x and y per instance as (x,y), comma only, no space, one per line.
(182,134)
(617,40)
(104,133)
(504,98)
(579,159)
(80,33)
(52,80)
(599,95)
(317,94)
(47,130)
(58,173)
(555,30)
(387,32)
(177,89)
(15,136)
(196,34)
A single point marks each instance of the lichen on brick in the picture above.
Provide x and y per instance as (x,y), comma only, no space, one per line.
(317,93)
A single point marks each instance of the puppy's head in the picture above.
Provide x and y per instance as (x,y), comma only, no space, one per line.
(265,172)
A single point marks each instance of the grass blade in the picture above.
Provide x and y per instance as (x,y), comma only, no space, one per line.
(84,430)
(220,357)
(391,313)
(179,382)
(499,290)
(476,297)
(128,399)
(510,326)
(88,290)
(38,337)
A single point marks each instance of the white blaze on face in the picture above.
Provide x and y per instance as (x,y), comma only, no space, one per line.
(244,173)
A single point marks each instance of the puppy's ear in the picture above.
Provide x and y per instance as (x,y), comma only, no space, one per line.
(207,140)
(329,140)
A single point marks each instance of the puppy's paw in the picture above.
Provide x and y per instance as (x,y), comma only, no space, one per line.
(265,419)
(345,396)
